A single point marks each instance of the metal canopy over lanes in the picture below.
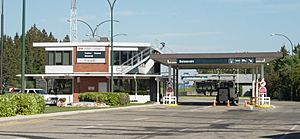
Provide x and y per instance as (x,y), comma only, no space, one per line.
(216,60)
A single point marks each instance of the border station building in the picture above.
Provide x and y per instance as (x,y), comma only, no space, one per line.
(75,67)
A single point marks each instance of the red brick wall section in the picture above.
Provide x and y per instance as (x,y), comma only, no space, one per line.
(91,67)
(75,97)
(86,82)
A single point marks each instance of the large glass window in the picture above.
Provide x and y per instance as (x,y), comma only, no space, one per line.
(67,58)
(122,56)
(117,58)
(50,58)
(59,58)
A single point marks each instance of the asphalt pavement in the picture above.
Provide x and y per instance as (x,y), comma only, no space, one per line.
(193,119)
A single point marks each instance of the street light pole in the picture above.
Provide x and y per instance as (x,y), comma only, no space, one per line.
(292,53)
(111,6)
(2,48)
(23,48)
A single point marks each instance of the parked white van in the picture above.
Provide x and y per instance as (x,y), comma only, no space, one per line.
(49,98)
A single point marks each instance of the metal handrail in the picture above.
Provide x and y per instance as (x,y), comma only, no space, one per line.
(135,59)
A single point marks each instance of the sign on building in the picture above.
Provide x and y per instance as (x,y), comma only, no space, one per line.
(240,60)
(90,55)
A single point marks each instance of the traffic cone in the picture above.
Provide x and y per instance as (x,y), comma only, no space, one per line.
(228,104)
(214,104)
(245,103)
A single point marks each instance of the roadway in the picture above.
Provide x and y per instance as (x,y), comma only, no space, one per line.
(163,122)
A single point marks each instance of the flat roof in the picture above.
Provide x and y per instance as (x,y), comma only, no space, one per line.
(89,44)
(91,75)
(215,60)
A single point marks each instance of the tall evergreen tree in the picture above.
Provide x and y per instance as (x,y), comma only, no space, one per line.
(66,38)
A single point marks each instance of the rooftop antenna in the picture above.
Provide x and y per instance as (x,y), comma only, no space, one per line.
(163,44)
(73,22)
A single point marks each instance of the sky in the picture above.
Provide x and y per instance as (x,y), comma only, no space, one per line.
(186,26)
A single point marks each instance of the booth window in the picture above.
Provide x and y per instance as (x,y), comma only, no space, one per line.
(59,58)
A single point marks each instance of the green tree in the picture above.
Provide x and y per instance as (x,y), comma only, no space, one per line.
(35,57)
(66,38)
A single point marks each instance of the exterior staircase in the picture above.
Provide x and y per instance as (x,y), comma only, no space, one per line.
(136,61)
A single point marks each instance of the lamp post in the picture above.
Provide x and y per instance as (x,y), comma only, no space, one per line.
(2,48)
(111,6)
(23,48)
(292,53)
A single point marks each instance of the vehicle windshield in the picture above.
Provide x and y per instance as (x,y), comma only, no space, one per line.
(41,92)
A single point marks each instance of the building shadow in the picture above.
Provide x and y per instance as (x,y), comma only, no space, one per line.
(295,135)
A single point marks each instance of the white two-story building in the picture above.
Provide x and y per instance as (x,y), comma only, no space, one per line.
(75,67)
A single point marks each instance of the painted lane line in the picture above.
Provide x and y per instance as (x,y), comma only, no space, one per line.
(294,127)
(139,119)
(86,127)
(217,121)
(185,129)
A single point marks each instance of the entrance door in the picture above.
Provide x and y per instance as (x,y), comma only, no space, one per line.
(102,87)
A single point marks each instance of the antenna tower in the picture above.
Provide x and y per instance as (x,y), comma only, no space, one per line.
(73,22)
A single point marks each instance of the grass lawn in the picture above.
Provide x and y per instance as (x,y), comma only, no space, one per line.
(54,109)
(188,89)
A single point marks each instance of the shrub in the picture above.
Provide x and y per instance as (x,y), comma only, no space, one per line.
(124,99)
(30,104)
(8,107)
(88,97)
(112,99)
(21,104)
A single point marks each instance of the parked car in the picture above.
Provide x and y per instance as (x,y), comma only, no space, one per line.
(50,99)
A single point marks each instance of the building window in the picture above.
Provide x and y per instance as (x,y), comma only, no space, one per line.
(50,58)
(67,58)
(59,58)
(122,56)
(117,58)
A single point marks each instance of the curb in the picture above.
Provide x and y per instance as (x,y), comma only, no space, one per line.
(24,117)
(264,106)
